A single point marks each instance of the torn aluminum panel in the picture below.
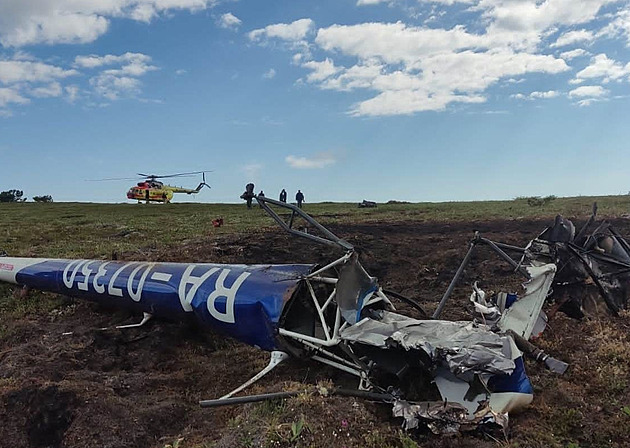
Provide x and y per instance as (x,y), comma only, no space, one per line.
(354,287)
(523,315)
(465,347)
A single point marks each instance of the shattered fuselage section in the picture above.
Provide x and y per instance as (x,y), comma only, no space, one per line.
(593,276)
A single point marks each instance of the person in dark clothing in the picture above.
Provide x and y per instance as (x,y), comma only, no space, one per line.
(299,197)
(261,195)
(283,195)
(249,194)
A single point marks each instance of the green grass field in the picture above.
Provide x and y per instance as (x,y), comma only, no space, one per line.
(97,230)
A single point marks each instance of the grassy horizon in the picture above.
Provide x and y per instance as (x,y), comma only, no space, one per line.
(75,229)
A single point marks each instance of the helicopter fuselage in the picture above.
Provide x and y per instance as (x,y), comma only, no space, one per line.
(154,191)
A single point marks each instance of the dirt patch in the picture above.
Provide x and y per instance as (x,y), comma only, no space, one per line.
(43,413)
(140,387)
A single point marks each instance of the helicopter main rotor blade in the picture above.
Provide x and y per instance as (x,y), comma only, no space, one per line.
(192,173)
(111,178)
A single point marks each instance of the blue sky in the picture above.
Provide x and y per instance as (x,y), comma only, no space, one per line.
(347,100)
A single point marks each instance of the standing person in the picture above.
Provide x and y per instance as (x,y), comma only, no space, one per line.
(283,195)
(299,197)
(261,195)
(249,194)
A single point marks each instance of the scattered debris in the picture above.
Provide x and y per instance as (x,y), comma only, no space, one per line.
(217,222)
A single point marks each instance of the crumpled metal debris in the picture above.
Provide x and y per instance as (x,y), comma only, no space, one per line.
(523,315)
(462,346)
(594,267)
(446,418)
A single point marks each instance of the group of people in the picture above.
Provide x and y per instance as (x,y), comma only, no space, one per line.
(299,197)
(249,195)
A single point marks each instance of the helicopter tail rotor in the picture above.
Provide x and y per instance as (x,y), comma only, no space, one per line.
(202,183)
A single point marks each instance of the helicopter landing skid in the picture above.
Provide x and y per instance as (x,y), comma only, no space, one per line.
(276,358)
(145,318)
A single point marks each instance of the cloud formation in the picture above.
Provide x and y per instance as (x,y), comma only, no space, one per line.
(111,77)
(23,77)
(292,32)
(604,68)
(29,22)
(317,161)
(271,73)
(121,81)
(405,69)
(536,95)
(229,21)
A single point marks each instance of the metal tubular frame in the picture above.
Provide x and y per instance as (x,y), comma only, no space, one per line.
(329,238)
(496,247)
(331,332)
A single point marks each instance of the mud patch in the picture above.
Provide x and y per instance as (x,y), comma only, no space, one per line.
(43,413)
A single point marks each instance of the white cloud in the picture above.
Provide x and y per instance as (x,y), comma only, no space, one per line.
(431,67)
(588,91)
(572,37)
(95,61)
(406,69)
(10,95)
(587,102)
(544,95)
(181,72)
(320,70)
(572,54)
(603,67)
(620,26)
(25,77)
(229,21)
(402,102)
(517,16)
(395,43)
(415,69)
(320,160)
(72,93)
(51,90)
(13,71)
(269,74)
(115,87)
(294,32)
(120,82)
(28,22)
(536,95)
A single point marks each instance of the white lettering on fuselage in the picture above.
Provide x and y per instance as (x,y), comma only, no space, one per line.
(229,294)
(104,280)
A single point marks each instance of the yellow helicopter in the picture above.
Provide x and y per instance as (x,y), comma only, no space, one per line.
(153,190)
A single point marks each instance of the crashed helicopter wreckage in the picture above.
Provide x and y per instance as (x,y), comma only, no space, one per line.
(593,276)
(594,266)
(449,376)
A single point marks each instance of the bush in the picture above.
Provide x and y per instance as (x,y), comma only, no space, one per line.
(47,198)
(536,201)
(12,196)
